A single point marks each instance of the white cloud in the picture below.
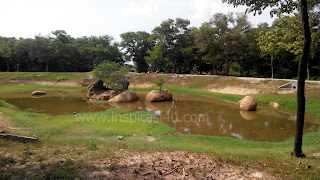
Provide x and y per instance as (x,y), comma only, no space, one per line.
(205,8)
(21,18)
(138,8)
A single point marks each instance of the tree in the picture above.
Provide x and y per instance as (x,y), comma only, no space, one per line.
(286,6)
(219,39)
(270,45)
(6,49)
(110,73)
(290,36)
(170,34)
(41,51)
(159,82)
(136,46)
(206,41)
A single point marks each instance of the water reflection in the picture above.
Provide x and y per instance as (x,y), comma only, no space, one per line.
(248,115)
(210,116)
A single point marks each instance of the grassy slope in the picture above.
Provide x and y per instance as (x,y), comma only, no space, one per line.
(44,76)
(66,130)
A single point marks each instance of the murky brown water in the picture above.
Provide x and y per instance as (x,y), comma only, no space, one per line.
(188,114)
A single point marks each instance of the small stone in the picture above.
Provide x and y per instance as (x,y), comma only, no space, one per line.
(274,105)
(121,150)
(120,137)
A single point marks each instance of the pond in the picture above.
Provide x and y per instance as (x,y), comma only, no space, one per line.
(188,114)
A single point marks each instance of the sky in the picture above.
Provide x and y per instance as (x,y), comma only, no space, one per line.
(26,18)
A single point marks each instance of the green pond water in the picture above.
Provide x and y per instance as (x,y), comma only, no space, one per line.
(188,114)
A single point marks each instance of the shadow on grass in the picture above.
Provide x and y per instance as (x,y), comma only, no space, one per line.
(69,169)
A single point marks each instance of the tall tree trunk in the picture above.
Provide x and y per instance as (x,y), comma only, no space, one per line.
(301,80)
(271,67)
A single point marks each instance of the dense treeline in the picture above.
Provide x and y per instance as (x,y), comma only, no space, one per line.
(227,44)
(58,53)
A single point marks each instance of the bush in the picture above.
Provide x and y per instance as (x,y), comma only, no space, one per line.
(110,73)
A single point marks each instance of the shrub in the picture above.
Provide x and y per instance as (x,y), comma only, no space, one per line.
(110,73)
(159,82)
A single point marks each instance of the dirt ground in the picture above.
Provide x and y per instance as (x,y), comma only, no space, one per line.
(28,161)
(221,84)
(175,165)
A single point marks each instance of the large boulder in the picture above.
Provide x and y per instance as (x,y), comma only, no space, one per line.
(36,93)
(96,89)
(159,96)
(248,103)
(125,97)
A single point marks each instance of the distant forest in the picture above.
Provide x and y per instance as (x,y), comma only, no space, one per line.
(226,44)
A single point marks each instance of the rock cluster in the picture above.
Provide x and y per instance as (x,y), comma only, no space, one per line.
(97,91)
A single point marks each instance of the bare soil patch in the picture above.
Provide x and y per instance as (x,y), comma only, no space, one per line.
(174,165)
(41,161)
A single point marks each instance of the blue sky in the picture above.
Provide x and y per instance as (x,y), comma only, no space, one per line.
(26,18)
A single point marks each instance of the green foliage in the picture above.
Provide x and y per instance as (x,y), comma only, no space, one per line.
(59,53)
(136,45)
(220,39)
(111,73)
(159,81)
